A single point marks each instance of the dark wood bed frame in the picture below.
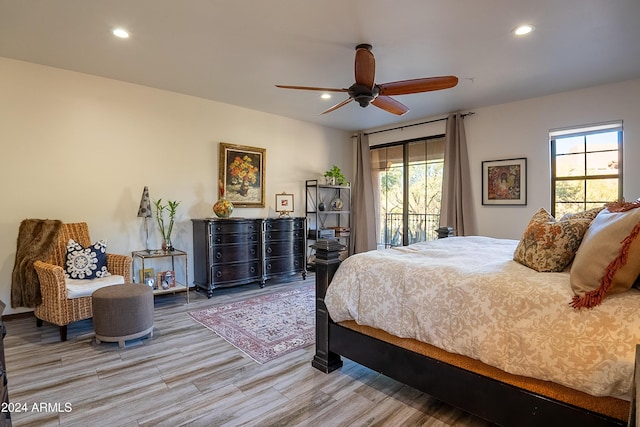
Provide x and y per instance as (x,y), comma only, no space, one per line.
(485,397)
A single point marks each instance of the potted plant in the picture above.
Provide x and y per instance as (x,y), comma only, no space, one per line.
(171,207)
(335,176)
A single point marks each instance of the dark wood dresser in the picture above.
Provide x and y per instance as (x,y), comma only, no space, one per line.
(237,251)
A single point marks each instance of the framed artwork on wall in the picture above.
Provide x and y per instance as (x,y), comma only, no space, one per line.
(242,171)
(284,204)
(504,182)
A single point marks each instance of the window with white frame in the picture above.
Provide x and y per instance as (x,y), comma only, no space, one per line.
(586,167)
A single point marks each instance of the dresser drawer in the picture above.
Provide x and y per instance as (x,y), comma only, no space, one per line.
(219,238)
(241,227)
(235,253)
(284,225)
(283,235)
(244,271)
(282,248)
(284,265)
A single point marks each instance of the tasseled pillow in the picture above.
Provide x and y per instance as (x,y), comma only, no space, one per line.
(608,259)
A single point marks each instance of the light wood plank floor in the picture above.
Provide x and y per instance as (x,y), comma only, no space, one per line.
(188,375)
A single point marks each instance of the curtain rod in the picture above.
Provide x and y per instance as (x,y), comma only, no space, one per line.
(470,113)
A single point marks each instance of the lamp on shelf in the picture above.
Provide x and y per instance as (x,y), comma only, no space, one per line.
(144,211)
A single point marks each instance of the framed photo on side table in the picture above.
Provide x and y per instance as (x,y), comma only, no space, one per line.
(167,279)
(284,204)
(242,174)
(504,182)
(146,274)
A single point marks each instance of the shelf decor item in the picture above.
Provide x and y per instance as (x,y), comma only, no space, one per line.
(242,171)
(336,204)
(171,208)
(223,208)
(334,176)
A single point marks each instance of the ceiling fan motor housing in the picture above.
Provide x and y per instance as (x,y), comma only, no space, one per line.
(362,94)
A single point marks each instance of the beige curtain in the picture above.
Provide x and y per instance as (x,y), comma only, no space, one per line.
(457,207)
(363,219)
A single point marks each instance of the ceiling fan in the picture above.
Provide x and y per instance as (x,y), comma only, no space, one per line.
(365,91)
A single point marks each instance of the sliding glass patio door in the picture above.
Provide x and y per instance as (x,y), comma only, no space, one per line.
(407,180)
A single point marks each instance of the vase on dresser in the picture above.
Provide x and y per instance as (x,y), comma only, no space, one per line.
(223,208)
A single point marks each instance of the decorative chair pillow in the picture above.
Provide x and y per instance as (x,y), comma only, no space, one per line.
(86,263)
(608,260)
(548,245)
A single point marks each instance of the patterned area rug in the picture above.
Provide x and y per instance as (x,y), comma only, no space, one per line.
(265,327)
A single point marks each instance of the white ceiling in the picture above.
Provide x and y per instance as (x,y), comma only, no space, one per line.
(235,51)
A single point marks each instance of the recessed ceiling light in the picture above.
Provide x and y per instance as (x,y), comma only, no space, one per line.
(523,29)
(121,32)
(325,96)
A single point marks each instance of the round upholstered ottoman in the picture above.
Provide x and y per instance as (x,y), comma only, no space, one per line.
(122,312)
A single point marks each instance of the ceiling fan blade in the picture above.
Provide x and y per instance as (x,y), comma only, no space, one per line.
(322,89)
(365,66)
(391,105)
(335,107)
(406,87)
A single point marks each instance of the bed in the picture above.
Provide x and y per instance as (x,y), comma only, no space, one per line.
(497,339)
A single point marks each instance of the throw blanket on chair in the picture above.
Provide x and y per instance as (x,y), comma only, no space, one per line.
(36,240)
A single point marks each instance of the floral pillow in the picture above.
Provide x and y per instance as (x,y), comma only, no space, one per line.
(86,263)
(608,260)
(589,214)
(548,245)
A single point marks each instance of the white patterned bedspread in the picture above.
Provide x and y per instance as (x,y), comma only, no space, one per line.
(467,296)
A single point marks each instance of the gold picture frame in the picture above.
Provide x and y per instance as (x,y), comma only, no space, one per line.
(147,273)
(284,204)
(242,171)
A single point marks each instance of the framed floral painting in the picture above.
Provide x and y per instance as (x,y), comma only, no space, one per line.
(242,171)
(504,182)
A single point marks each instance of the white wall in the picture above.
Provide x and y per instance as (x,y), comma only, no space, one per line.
(77,147)
(521,129)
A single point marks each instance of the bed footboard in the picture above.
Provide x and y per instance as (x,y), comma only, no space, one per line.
(634,418)
(327,263)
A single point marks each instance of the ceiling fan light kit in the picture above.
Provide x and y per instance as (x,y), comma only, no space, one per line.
(365,91)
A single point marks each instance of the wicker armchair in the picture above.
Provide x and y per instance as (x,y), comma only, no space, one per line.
(56,308)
